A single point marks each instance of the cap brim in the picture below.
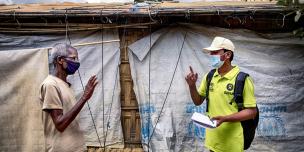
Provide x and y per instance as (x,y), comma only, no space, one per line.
(210,49)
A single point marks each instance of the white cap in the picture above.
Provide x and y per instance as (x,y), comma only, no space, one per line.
(219,43)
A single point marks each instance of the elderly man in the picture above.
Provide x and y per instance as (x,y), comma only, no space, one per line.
(58,103)
(228,136)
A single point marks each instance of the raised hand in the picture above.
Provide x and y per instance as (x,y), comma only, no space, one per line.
(191,78)
(90,87)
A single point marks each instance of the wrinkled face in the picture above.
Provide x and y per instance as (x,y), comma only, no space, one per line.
(72,56)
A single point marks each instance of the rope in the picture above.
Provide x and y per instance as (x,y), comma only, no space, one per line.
(149,86)
(158,117)
(110,109)
(67,37)
(89,110)
(102,81)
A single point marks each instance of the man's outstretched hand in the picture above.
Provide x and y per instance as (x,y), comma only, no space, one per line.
(90,87)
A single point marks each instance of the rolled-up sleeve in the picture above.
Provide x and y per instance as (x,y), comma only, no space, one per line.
(203,86)
(248,93)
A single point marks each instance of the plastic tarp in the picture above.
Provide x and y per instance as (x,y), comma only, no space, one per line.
(274,61)
(21,127)
(105,102)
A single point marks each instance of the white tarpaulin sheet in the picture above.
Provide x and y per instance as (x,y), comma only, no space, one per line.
(21,73)
(105,102)
(275,62)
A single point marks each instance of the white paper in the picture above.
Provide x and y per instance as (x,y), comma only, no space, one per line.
(203,120)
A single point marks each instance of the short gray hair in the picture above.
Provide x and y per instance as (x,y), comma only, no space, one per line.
(60,49)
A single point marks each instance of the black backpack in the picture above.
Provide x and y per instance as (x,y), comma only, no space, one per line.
(249,126)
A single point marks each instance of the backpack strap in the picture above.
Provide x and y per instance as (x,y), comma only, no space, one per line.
(238,89)
(208,79)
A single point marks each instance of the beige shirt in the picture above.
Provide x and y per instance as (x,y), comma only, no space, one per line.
(56,94)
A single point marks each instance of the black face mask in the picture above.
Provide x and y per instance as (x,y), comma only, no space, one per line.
(72,67)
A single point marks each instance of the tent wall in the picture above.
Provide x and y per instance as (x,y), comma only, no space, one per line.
(21,127)
(91,63)
(130,117)
(275,64)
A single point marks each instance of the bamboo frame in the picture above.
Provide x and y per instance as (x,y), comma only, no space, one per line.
(143,11)
(87,43)
(53,30)
(88,26)
(94,43)
(211,10)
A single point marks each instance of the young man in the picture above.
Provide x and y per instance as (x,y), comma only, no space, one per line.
(228,136)
(58,103)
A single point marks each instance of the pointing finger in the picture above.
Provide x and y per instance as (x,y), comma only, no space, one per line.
(191,69)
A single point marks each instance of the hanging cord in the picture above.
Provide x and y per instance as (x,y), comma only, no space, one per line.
(158,117)
(110,108)
(116,76)
(102,81)
(67,38)
(149,12)
(15,19)
(149,85)
(90,110)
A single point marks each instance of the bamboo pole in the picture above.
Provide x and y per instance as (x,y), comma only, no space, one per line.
(84,26)
(87,43)
(143,11)
(94,43)
(55,25)
(53,30)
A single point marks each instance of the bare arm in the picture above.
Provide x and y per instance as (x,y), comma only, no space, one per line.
(191,78)
(62,121)
(197,99)
(245,114)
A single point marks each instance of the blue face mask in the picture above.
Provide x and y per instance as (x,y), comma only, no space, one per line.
(215,61)
(72,67)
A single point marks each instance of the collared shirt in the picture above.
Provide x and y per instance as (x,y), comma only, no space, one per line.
(228,137)
(56,94)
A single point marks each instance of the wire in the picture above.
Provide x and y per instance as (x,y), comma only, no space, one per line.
(67,37)
(116,76)
(158,117)
(149,85)
(89,109)
(149,12)
(110,108)
(102,81)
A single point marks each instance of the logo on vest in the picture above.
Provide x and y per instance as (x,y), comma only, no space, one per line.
(229,86)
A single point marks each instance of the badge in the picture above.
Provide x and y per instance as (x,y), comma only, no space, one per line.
(229,87)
